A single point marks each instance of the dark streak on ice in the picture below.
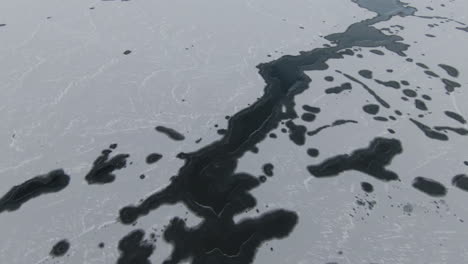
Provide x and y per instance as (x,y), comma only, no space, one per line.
(311,109)
(103,167)
(429,186)
(369,90)
(336,123)
(171,133)
(430,133)
(392,84)
(459,130)
(377,52)
(463,29)
(431,73)
(51,182)
(371,160)
(452,71)
(455,116)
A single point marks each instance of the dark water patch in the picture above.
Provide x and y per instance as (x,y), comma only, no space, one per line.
(463,29)
(335,123)
(171,133)
(127,52)
(429,132)
(429,186)
(391,84)
(461,181)
(367,187)
(409,93)
(430,35)
(113,146)
(296,133)
(371,109)
(405,83)
(268,169)
(101,245)
(369,90)
(371,160)
(338,89)
(387,8)
(221,131)
(60,248)
(455,116)
(450,85)
(329,78)
(450,70)
(313,152)
(311,109)
(431,73)
(380,118)
(391,131)
(51,182)
(153,158)
(231,243)
(366,74)
(134,249)
(377,52)
(420,105)
(103,167)
(308,117)
(459,130)
(207,183)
